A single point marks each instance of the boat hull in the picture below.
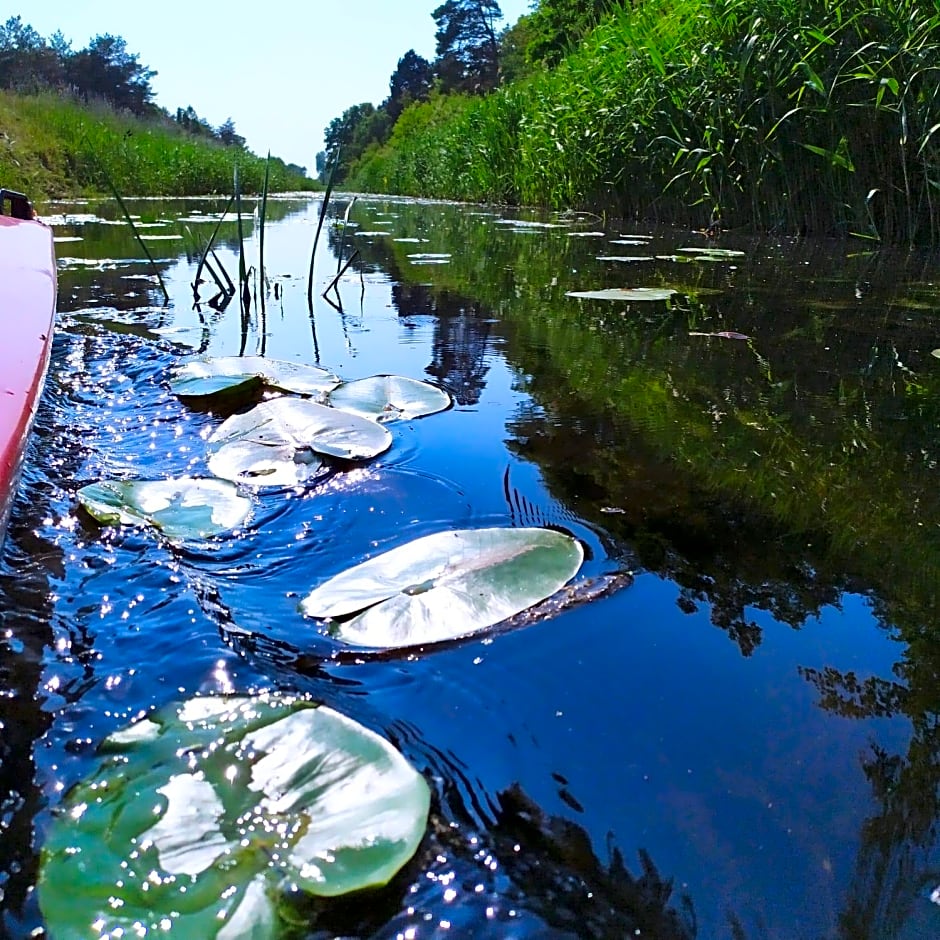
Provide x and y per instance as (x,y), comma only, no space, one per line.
(27,317)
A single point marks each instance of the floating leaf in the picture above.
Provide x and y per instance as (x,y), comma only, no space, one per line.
(280,442)
(624,258)
(523,224)
(713,252)
(233,375)
(390,398)
(625,293)
(183,508)
(936,353)
(630,241)
(444,586)
(724,334)
(201,813)
(586,234)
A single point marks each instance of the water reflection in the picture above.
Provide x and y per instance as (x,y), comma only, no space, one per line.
(780,771)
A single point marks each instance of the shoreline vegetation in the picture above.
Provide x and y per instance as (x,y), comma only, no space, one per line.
(51,147)
(83,123)
(814,117)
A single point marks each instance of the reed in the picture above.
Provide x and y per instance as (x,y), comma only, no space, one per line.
(54,147)
(316,238)
(130,221)
(786,115)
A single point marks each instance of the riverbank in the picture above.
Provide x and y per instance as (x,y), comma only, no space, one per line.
(795,116)
(51,147)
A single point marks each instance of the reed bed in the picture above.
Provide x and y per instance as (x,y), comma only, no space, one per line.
(798,116)
(51,146)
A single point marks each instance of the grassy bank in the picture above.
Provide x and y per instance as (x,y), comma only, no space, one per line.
(792,115)
(52,147)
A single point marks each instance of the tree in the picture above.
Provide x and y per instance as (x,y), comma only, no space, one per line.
(226,134)
(411,81)
(107,70)
(26,62)
(348,136)
(467,45)
(556,26)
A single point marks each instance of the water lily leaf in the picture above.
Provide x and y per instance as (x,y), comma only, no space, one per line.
(627,258)
(201,813)
(183,508)
(713,252)
(723,334)
(936,353)
(390,398)
(624,293)
(429,258)
(280,442)
(444,586)
(234,374)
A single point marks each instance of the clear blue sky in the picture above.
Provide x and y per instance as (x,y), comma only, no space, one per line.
(282,69)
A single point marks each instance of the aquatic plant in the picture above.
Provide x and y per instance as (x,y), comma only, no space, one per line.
(202,817)
(389,398)
(792,115)
(443,586)
(181,508)
(282,442)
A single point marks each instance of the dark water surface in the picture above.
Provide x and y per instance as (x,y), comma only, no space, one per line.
(740,741)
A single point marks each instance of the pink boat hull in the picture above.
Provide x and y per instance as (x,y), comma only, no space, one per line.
(27,316)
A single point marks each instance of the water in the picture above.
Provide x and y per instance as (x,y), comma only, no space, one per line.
(740,742)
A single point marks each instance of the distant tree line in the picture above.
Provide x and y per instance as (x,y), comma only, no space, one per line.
(103,71)
(473,57)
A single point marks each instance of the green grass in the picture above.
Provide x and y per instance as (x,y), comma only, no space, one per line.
(784,115)
(52,147)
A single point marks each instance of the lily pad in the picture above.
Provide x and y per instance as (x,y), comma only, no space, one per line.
(444,586)
(627,258)
(936,353)
(624,293)
(202,813)
(723,334)
(183,508)
(713,252)
(390,398)
(280,442)
(233,375)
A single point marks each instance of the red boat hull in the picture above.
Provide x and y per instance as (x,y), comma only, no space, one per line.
(27,315)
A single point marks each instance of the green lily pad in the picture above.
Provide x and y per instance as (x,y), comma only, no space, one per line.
(713,252)
(281,442)
(201,814)
(936,352)
(232,375)
(390,398)
(444,586)
(627,258)
(183,508)
(624,293)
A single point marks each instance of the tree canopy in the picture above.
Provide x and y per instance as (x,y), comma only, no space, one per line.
(467,44)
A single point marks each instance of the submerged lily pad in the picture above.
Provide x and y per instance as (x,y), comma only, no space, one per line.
(235,374)
(624,293)
(390,398)
(280,442)
(444,586)
(183,508)
(202,813)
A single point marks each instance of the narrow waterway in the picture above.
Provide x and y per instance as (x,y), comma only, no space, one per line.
(733,733)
